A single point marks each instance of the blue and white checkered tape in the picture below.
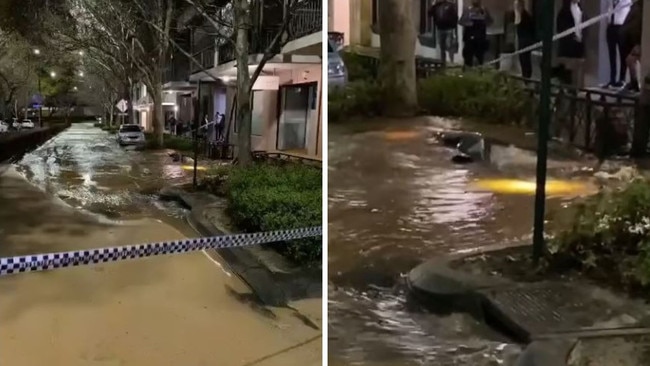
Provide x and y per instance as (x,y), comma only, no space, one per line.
(44,262)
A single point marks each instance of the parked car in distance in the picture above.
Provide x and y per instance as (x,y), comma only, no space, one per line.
(337,75)
(131,135)
(4,126)
(27,123)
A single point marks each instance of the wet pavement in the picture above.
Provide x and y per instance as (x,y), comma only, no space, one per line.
(395,200)
(80,190)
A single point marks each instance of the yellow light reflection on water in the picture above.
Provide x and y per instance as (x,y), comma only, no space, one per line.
(191,167)
(401,135)
(517,186)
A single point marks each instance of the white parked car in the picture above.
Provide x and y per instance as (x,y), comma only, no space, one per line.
(4,126)
(27,123)
(131,135)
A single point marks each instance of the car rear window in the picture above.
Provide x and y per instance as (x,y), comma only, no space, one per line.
(130,128)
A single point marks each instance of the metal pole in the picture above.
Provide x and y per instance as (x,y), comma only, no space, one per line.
(543,129)
(197,118)
(40,105)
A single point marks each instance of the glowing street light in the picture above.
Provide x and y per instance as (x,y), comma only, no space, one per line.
(37,51)
(81,53)
(81,74)
(75,88)
(53,74)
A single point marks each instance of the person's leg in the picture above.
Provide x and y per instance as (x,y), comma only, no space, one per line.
(442,45)
(632,60)
(526,63)
(468,54)
(622,54)
(612,43)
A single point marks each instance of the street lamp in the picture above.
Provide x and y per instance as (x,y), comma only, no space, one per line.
(75,88)
(81,74)
(37,52)
(81,53)
(53,74)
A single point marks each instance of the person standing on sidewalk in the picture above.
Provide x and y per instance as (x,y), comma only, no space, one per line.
(526,36)
(445,19)
(475,20)
(621,8)
(631,43)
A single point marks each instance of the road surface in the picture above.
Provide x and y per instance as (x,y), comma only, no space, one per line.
(173,310)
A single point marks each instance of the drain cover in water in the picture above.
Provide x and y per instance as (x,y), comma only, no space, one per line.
(544,308)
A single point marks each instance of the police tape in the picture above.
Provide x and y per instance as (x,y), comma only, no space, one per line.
(44,262)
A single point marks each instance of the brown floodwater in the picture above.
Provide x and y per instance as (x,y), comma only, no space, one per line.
(396,200)
(79,191)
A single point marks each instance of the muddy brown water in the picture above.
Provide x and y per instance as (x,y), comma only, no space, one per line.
(395,200)
(79,191)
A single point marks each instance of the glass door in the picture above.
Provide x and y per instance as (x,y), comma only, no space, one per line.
(292,125)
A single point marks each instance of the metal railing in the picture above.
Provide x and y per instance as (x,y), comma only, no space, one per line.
(205,58)
(308,19)
(583,117)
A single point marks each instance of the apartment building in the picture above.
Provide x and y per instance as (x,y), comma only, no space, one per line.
(287,94)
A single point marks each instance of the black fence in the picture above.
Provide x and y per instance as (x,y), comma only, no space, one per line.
(284,158)
(589,118)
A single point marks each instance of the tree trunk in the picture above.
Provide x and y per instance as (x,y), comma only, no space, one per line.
(158,118)
(397,56)
(243,112)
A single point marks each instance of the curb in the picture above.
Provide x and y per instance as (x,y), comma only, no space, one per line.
(272,288)
(440,287)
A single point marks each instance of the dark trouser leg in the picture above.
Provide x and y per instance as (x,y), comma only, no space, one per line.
(480,56)
(442,44)
(612,45)
(622,54)
(468,54)
(526,64)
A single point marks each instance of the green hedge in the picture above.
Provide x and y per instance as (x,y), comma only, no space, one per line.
(171,142)
(488,96)
(609,238)
(484,95)
(268,197)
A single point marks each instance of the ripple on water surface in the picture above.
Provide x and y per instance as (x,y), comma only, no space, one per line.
(394,203)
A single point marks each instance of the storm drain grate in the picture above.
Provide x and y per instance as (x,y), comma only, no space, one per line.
(549,307)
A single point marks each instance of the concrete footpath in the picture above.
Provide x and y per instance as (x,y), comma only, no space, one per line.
(183,309)
(271,277)
(562,322)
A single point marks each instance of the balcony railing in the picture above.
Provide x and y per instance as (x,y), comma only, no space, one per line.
(307,19)
(206,59)
(176,72)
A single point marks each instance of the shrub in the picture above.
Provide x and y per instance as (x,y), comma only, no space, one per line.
(267,197)
(357,98)
(609,237)
(488,96)
(171,142)
(360,67)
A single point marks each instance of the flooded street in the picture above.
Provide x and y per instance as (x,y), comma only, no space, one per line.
(80,190)
(396,200)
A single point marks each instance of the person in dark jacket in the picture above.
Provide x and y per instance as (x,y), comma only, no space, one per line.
(525,33)
(631,43)
(569,16)
(475,20)
(445,18)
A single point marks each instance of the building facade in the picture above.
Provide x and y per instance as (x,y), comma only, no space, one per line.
(286,96)
(357,20)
